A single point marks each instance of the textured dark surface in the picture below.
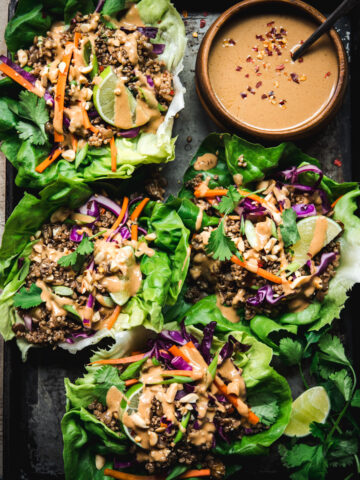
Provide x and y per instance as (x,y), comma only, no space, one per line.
(33,392)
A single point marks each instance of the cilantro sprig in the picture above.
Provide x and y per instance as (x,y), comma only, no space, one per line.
(28,298)
(220,246)
(106,377)
(77,258)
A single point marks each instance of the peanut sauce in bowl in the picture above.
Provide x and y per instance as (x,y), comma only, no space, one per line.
(246,78)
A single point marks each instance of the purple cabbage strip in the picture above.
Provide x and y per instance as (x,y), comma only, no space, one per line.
(27,75)
(120,464)
(106,203)
(232,345)
(75,336)
(74,236)
(326,259)
(206,343)
(248,431)
(173,336)
(90,208)
(189,388)
(136,199)
(180,394)
(292,174)
(132,133)
(179,363)
(142,230)
(124,232)
(28,322)
(188,337)
(89,304)
(149,32)
(158,48)
(221,398)
(99,6)
(150,81)
(325,204)
(264,293)
(303,210)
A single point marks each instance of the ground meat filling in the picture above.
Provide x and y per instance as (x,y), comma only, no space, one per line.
(110,46)
(235,285)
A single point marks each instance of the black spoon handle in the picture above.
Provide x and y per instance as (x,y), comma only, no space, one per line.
(340,11)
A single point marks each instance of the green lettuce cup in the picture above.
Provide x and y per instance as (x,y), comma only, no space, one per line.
(273,237)
(113,114)
(78,266)
(198,368)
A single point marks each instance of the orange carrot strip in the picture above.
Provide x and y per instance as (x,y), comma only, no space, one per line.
(334,203)
(48,161)
(129,476)
(110,322)
(215,192)
(134,232)
(113,154)
(86,121)
(196,473)
(135,214)
(182,373)
(179,353)
(60,89)
(11,73)
(121,214)
(223,389)
(119,361)
(130,382)
(77,38)
(58,137)
(253,419)
(259,271)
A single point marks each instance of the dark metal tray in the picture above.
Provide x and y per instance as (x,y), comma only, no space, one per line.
(34,399)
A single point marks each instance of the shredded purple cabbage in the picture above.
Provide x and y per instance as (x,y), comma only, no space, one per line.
(325,204)
(124,232)
(90,208)
(28,322)
(158,48)
(74,236)
(232,345)
(174,336)
(264,293)
(75,336)
(325,261)
(106,203)
(188,337)
(149,32)
(121,465)
(142,231)
(303,210)
(206,342)
(179,363)
(292,174)
(132,133)
(150,81)
(180,394)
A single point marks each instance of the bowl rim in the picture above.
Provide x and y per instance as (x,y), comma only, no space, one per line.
(223,117)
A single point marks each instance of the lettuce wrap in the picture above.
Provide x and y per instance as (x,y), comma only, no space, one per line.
(246,164)
(31,282)
(88,441)
(26,142)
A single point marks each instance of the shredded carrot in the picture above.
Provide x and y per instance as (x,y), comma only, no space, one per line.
(132,381)
(253,419)
(135,352)
(77,38)
(179,353)
(163,425)
(48,161)
(135,214)
(11,73)
(119,361)
(223,389)
(211,200)
(58,137)
(60,89)
(113,154)
(121,214)
(110,322)
(196,473)
(215,192)
(74,143)
(181,373)
(134,232)
(130,476)
(336,201)
(86,121)
(259,271)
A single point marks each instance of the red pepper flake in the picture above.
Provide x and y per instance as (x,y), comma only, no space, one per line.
(172,92)
(260,264)
(278,68)
(243,95)
(258,85)
(283,31)
(301,42)
(282,102)
(255,49)
(337,162)
(249,59)
(101,68)
(258,74)
(269,52)
(263,96)
(327,74)
(238,68)
(270,23)
(300,59)
(247,75)
(260,37)
(257,68)
(202,23)
(273,31)
(294,77)
(185,13)
(232,42)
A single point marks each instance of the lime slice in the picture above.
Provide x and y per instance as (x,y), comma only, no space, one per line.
(250,233)
(306,228)
(311,406)
(120,297)
(131,406)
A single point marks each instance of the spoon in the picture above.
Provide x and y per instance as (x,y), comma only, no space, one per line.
(340,11)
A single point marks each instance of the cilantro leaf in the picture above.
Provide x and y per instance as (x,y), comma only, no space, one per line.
(85,246)
(333,350)
(343,382)
(291,350)
(267,413)
(310,459)
(75,259)
(355,402)
(342,451)
(288,229)
(220,246)
(28,298)
(68,260)
(32,108)
(229,201)
(319,430)
(106,377)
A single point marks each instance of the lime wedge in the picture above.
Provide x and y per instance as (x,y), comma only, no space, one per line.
(306,228)
(120,297)
(131,406)
(311,406)
(251,234)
